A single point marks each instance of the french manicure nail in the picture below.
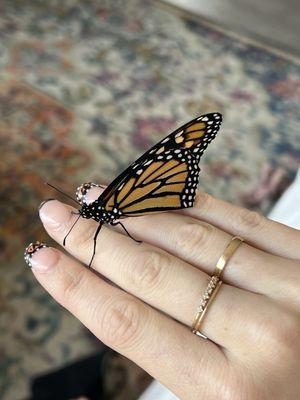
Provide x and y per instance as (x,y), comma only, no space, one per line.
(54,213)
(40,257)
(44,202)
(83,191)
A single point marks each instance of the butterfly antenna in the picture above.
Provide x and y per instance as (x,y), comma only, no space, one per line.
(64,241)
(60,191)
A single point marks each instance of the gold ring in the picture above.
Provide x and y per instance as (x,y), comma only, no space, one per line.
(228,253)
(210,293)
(214,285)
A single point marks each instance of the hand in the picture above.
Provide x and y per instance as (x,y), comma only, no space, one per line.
(253,323)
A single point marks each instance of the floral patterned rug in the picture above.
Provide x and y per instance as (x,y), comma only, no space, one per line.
(85,87)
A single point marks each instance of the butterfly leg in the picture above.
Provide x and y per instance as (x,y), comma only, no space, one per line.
(95,243)
(65,238)
(120,223)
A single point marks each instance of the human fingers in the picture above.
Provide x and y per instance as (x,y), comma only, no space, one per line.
(156,277)
(157,343)
(261,232)
(201,243)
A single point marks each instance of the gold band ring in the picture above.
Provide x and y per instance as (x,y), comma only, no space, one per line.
(228,253)
(214,285)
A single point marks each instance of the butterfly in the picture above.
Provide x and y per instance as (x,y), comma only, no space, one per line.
(164,178)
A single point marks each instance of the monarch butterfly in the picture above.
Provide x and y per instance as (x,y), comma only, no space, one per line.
(164,178)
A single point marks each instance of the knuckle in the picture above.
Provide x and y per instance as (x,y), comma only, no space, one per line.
(241,387)
(288,332)
(82,238)
(293,286)
(249,219)
(203,200)
(282,334)
(187,371)
(120,322)
(70,287)
(147,272)
(193,235)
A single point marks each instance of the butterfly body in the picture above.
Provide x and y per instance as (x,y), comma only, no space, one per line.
(99,214)
(164,178)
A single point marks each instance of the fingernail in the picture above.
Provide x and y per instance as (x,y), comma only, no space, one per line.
(44,202)
(40,257)
(93,194)
(54,213)
(83,192)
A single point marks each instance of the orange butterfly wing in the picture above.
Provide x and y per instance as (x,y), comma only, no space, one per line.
(166,176)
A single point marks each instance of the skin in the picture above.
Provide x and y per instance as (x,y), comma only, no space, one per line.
(145,307)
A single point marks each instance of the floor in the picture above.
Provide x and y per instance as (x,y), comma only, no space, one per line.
(272,22)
